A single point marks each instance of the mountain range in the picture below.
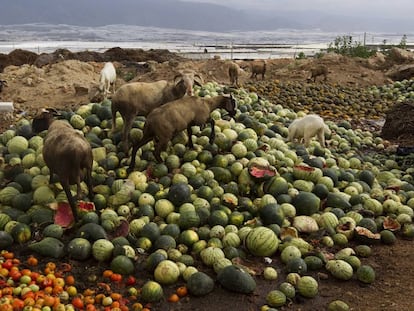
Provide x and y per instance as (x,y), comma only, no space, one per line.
(186,15)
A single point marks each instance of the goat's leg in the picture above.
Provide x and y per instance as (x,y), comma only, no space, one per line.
(108,87)
(212,133)
(321,136)
(78,188)
(160,146)
(128,120)
(135,148)
(190,135)
(50,175)
(113,111)
(88,178)
(307,139)
(71,199)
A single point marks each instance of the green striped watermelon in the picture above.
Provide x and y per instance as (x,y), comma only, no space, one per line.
(262,241)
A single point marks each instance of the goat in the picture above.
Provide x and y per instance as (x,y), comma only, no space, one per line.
(317,71)
(44,119)
(164,122)
(107,78)
(68,154)
(3,83)
(234,74)
(307,127)
(140,98)
(258,68)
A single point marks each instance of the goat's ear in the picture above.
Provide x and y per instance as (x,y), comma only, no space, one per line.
(51,111)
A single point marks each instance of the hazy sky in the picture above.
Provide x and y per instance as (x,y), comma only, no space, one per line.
(383,8)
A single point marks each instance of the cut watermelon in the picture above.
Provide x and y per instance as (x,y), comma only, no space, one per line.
(63,215)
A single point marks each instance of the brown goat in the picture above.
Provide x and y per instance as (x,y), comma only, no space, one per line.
(258,68)
(140,98)
(42,121)
(317,71)
(69,155)
(164,122)
(234,74)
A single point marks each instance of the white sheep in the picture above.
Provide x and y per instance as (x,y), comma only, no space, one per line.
(140,98)
(307,127)
(107,78)
(68,154)
(170,119)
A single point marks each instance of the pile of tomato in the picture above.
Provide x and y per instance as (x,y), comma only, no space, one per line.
(52,287)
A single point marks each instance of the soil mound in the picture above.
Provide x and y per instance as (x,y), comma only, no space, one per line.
(399,124)
(20,57)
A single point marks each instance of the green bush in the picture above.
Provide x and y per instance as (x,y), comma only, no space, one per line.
(346,46)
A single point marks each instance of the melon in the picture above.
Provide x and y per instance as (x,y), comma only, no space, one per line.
(276,298)
(166,272)
(234,278)
(307,286)
(17,144)
(365,274)
(306,203)
(262,241)
(151,292)
(200,284)
(340,269)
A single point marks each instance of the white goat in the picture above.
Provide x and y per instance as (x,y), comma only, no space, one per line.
(307,127)
(106,78)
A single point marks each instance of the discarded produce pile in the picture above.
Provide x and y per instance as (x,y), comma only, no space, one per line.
(202,216)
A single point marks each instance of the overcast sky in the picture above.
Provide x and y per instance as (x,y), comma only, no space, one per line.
(382,8)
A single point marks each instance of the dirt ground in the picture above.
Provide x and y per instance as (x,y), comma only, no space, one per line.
(68,83)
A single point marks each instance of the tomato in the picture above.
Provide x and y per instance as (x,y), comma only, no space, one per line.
(116,277)
(130,281)
(8,264)
(182,291)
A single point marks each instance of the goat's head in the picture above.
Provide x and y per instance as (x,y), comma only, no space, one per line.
(230,105)
(42,121)
(188,78)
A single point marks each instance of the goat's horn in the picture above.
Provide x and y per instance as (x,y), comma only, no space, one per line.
(199,77)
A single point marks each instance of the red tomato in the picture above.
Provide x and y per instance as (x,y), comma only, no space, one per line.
(130,280)
(7,264)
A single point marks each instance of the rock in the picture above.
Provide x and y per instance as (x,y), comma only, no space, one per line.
(29,81)
(376,61)
(398,123)
(400,55)
(80,90)
(44,59)
(401,72)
